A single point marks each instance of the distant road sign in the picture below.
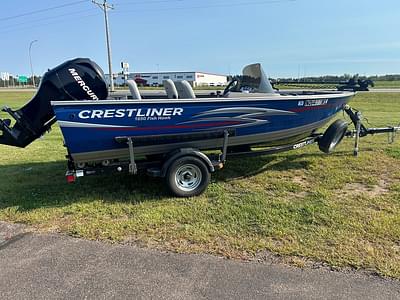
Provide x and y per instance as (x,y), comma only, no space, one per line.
(22,79)
(124,65)
(5,76)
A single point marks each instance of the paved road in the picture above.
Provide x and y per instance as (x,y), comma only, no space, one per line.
(53,266)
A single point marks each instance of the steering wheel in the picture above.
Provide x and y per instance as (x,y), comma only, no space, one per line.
(231,86)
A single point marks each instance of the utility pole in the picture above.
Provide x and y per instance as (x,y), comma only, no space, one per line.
(105,7)
(30,61)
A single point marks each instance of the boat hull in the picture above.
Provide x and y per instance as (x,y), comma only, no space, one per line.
(90,128)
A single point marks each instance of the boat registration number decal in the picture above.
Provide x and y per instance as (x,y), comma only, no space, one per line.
(316,102)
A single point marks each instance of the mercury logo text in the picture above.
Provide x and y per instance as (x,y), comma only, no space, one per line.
(80,81)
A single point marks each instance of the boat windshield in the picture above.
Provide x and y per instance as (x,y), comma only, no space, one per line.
(253,80)
(248,84)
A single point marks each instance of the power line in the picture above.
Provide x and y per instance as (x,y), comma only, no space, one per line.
(208,6)
(42,10)
(62,20)
(125,11)
(147,2)
(48,18)
(12,27)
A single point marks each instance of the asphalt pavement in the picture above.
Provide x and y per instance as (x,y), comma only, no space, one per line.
(52,266)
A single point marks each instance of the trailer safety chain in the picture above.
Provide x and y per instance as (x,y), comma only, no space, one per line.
(391,136)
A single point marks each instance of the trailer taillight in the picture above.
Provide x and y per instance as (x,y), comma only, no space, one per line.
(70,178)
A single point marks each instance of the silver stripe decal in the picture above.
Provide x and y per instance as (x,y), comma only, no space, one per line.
(224,119)
(88,125)
(245,111)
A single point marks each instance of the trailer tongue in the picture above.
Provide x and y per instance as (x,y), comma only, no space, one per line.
(36,117)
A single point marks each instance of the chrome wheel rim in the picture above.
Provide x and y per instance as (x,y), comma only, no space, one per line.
(188,177)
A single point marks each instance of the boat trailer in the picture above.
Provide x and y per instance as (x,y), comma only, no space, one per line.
(187,170)
(185,182)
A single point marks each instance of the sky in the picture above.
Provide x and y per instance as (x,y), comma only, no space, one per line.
(291,38)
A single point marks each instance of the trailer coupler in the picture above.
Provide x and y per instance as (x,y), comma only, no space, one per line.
(361,130)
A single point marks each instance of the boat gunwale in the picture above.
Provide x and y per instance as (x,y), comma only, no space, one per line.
(277,97)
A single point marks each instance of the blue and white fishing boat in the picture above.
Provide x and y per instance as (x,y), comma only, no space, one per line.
(249,107)
(107,130)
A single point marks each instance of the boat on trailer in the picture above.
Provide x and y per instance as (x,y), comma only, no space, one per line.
(167,134)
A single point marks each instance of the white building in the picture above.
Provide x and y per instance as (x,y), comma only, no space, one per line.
(156,79)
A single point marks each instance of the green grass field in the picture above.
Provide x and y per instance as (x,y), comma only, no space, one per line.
(387,84)
(303,205)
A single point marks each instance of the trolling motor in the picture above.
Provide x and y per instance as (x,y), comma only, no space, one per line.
(77,79)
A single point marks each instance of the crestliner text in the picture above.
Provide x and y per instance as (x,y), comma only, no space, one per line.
(130,113)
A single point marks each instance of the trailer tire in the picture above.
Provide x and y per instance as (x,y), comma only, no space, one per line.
(187,176)
(333,136)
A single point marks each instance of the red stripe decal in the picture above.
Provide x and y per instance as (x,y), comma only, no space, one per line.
(169,127)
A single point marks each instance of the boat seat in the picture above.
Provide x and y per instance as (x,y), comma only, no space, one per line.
(185,91)
(134,89)
(170,89)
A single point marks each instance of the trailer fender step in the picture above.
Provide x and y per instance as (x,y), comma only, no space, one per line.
(186,152)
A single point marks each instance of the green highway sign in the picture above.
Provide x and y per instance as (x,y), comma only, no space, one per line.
(22,79)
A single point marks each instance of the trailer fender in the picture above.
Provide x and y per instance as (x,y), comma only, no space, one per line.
(186,152)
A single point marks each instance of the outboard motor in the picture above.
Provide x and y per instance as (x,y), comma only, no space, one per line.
(77,79)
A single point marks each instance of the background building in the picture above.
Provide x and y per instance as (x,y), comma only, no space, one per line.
(196,79)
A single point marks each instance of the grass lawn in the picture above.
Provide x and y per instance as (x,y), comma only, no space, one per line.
(302,205)
(387,84)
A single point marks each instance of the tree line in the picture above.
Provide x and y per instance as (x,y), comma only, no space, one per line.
(344,77)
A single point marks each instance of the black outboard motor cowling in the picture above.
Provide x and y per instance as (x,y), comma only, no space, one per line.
(77,79)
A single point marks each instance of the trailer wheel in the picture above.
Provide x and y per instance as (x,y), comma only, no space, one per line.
(333,136)
(187,176)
